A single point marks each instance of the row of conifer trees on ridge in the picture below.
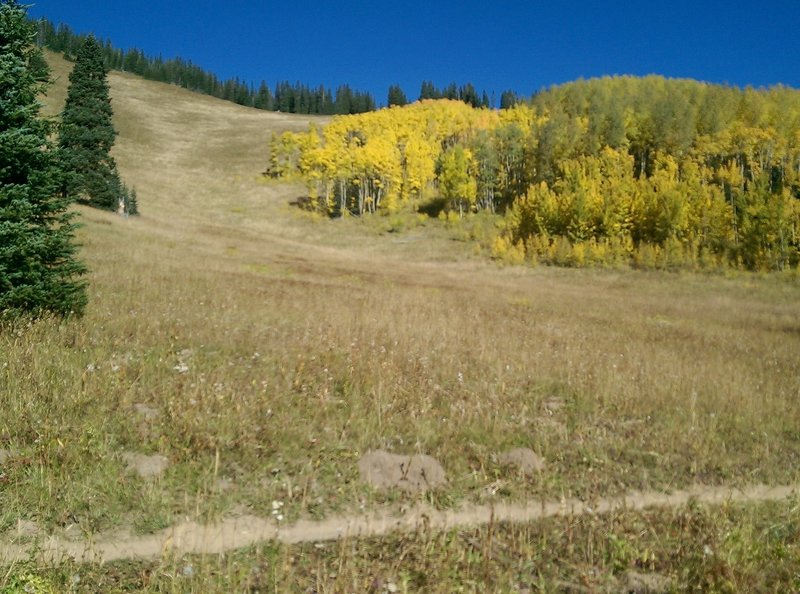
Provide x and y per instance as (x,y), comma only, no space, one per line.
(285,97)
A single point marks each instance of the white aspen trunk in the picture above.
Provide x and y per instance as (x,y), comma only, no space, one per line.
(342,196)
(361,197)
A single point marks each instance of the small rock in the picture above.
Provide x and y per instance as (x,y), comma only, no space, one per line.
(647,583)
(524,460)
(410,473)
(146,466)
(5,456)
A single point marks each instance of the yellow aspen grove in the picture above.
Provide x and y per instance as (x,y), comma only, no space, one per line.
(643,171)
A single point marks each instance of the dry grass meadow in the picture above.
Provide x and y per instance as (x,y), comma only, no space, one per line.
(262,352)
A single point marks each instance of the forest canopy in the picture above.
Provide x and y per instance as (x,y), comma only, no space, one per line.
(649,171)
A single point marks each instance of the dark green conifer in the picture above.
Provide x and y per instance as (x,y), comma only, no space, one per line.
(428,91)
(396,96)
(38,269)
(508,99)
(87,134)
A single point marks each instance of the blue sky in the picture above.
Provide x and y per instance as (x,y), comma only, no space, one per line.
(496,45)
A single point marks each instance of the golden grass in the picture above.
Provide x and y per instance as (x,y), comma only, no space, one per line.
(277,349)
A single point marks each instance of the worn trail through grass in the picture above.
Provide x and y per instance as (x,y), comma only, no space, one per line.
(243,531)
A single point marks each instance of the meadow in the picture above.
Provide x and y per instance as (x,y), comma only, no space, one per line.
(260,351)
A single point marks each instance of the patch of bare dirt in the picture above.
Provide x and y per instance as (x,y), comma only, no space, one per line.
(25,531)
(416,473)
(631,583)
(647,583)
(524,460)
(147,467)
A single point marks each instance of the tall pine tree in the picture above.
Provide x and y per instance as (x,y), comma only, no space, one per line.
(396,96)
(87,135)
(38,269)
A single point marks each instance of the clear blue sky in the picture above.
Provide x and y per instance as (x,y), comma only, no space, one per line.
(496,45)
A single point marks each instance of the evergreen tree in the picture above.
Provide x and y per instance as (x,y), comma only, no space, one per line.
(263,99)
(38,269)
(396,96)
(469,95)
(87,134)
(128,202)
(344,103)
(133,203)
(429,91)
(508,99)
(450,91)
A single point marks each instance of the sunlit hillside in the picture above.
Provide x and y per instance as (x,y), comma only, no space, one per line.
(253,353)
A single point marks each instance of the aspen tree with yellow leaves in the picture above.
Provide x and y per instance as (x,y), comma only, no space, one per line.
(615,171)
(456,182)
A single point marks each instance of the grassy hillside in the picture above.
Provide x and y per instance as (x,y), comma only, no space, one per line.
(260,354)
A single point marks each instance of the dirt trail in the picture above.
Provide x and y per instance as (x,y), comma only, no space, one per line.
(243,531)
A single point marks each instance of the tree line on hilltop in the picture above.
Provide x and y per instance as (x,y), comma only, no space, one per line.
(648,171)
(466,93)
(285,97)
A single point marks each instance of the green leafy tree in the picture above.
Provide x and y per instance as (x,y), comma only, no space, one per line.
(87,134)
(38,269)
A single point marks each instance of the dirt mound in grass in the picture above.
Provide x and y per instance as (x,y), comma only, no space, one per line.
(413,474)
(524,460)
(147,467)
